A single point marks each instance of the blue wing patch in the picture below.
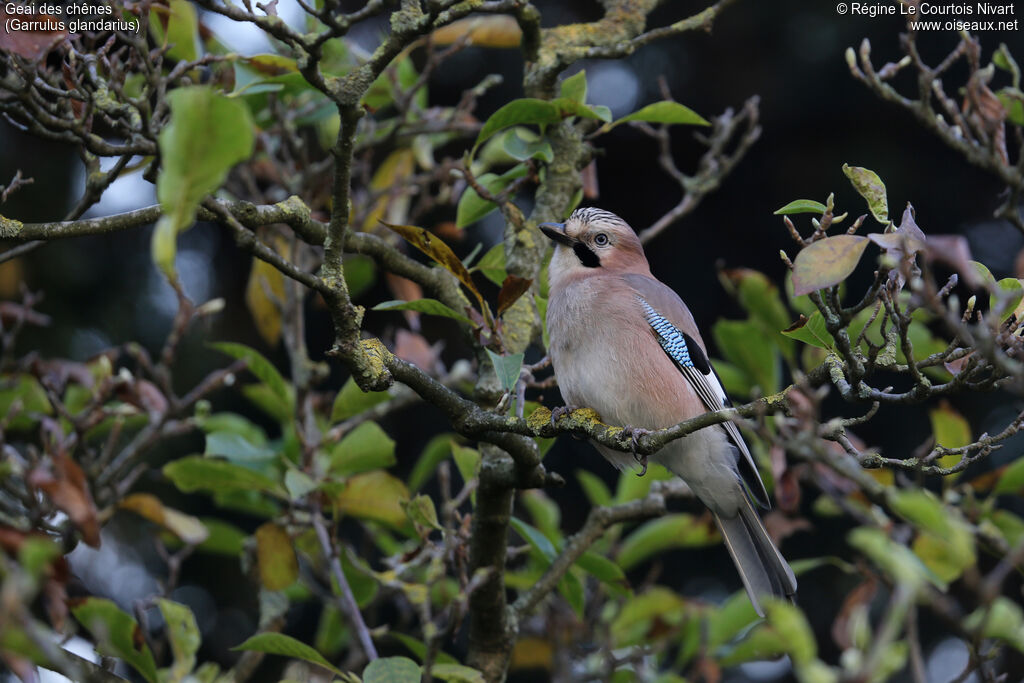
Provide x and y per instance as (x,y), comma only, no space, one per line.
(670,338)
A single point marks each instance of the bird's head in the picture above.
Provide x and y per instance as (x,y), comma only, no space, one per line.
(593,241)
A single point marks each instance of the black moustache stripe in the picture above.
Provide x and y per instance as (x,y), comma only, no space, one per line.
(587,257)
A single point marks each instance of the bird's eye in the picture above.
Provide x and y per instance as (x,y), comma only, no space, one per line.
(601,239)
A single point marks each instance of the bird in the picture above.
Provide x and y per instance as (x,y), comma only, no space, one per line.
(625,345)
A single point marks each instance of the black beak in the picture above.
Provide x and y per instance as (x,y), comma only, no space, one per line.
(556,233)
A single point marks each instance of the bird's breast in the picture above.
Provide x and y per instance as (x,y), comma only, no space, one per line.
(606,358)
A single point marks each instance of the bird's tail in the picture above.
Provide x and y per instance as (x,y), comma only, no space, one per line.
(761,566)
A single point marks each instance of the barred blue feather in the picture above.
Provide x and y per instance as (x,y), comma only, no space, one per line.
(670,338)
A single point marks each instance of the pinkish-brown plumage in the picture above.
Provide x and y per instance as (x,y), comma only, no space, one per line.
(607,356)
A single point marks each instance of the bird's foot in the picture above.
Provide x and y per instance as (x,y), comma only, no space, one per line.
(559,412)
(634,434)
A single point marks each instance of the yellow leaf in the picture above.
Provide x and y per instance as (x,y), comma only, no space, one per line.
(499,30)
(951,430)
(532,653)
(275,557)
(434,247)
(376,496)
(266,284)
(186,527)
(393,172)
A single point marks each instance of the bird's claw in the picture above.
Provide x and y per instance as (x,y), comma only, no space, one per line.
(559,412)
(634,434)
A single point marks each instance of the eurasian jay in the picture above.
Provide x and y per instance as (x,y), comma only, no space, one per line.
(626,345)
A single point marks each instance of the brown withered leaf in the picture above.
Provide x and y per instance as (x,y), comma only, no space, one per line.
(144,395)
(983,105)
(63,481)
(434,247)
(186,527)
(588,176)
(781,526)
(954,251)
(787,491)
(32,44)
(405,290)
(859,597)
(414,348)
(511,289)
(955,367)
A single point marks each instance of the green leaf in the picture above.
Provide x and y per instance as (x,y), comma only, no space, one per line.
(286,646)
(534,538)
(810,331)
(376,496)
(26,390)
(467,460)
(208,133)
(421,511)
(275,557)
(575,87)
(456,673)
(239,450)
(1012,478)
(791,624)
(1006,300)
(1005,61)
(418,648)
(571,588)
(507,368)
(827,262)
(436,450)
(594,488)
(657,535)
(472,207)
(521,144)
(331,631)
(745,345)
(801,206)
(664,112)
(183,635)
(224,538)
(492,264)
(196,473)
(182,32)
(950,430)
(545,513)
(763,302)
(116,634)
(601,568)
(893,558)
(1003,620)
(262,368)
(351,401)
(365,448)
(640,616)
(872,189)
(234,423)
(522,111)
(428,306)
(392,670)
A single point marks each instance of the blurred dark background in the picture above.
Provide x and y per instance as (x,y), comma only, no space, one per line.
(815,117)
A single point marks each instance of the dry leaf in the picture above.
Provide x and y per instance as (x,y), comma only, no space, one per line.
(405,290)
(32,44)
(499,30)
(64,483)
(511,289)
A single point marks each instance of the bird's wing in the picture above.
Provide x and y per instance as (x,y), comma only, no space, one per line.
(671,323)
